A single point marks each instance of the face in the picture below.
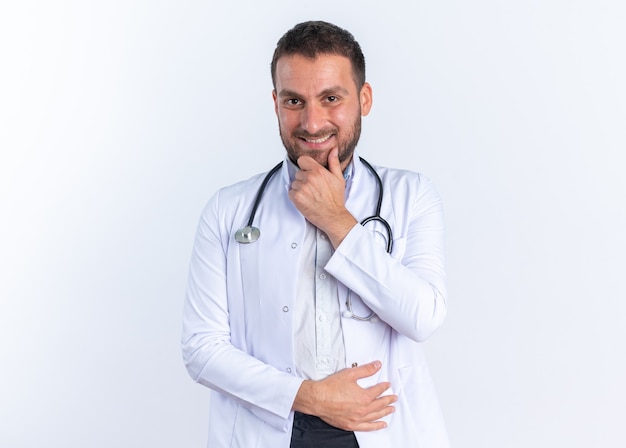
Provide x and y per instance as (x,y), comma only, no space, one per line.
(319,106)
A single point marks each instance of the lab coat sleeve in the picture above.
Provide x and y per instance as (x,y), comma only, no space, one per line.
(407,288)
(209,355)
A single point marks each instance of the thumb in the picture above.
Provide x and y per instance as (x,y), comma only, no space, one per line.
(334,166)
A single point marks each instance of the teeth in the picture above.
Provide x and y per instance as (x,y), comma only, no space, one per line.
(319,140)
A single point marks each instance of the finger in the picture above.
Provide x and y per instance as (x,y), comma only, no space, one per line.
(376,410)
(300,177)
(349,424)
(297,185)
(377,390)
(378,414)
(334,166)
(371,415)
(304,175)
(382,402)
(369,427)
(365,370)
(307,163)
(362,420)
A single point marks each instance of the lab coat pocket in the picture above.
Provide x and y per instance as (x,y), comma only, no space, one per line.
(410,376)
(247,429)
(417,407)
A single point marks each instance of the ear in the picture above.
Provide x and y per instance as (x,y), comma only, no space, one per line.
(275,98)
(365,96)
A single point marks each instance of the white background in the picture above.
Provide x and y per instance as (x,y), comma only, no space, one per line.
(119,119)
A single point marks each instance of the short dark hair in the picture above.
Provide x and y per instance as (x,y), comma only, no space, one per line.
(313,38)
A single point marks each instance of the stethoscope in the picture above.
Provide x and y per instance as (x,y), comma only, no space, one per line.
(250,234)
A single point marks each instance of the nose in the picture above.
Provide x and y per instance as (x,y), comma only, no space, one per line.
(313,118)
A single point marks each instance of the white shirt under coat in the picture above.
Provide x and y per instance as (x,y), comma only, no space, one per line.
(318,337)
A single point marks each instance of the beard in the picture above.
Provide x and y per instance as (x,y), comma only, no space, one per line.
(346,145)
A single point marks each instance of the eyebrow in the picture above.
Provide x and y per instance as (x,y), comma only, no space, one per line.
(329,91)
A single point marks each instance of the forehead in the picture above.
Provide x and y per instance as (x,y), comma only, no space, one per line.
(297,72)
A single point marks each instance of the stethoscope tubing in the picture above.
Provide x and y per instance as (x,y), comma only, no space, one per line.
(376,216)
(249,233)
(259,194)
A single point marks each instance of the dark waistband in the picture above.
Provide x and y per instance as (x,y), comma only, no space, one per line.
(311,431)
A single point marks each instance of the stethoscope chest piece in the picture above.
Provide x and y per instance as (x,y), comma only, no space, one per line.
(247,234)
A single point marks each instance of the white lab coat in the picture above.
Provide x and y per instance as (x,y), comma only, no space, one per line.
(238,315)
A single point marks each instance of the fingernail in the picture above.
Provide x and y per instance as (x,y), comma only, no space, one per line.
(377,364)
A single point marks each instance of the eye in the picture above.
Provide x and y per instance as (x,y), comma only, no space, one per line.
(332,99)
(293,102)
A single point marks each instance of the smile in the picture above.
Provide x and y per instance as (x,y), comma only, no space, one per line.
(318,140)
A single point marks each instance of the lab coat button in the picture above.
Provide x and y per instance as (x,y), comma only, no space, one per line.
(285,309)
(322,318)
(288,369)
(323,276)
(354,364)
(294,245)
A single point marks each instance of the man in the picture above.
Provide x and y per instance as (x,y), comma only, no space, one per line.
(308,329)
